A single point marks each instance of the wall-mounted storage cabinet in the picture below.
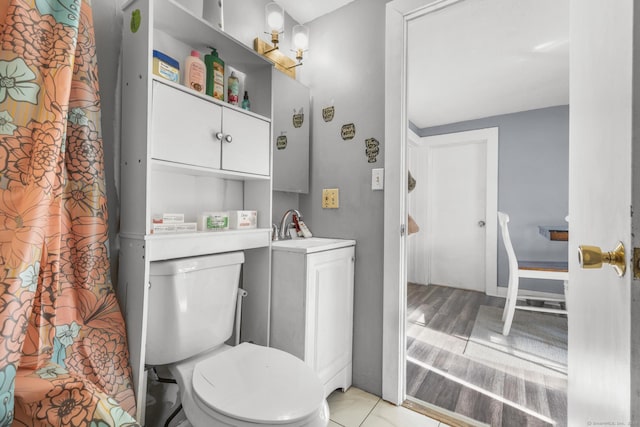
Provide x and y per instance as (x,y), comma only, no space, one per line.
(290,134)
(188,128)
(185,152)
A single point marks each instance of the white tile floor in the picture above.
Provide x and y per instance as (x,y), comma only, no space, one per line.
(357,408)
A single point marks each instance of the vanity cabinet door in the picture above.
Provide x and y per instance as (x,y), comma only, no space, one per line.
(291,104)
(245,144)
(329,316)
(184,128)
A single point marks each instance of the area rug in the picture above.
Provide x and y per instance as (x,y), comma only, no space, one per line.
(537,341)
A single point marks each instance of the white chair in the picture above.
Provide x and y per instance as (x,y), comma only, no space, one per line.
(549,270)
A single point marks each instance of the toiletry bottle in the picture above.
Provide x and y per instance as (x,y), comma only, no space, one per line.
(233,87)
(246,105)
(215,75)
(304,229)
(194,72)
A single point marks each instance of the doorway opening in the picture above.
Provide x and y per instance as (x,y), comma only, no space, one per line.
(446,367)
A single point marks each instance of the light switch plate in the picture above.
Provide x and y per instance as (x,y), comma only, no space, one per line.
(377,179)
(330,198)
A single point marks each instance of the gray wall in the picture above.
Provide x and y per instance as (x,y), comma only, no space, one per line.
(533,182)
(345,67)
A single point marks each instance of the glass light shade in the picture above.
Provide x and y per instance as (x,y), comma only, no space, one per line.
(275,16)
(300,37)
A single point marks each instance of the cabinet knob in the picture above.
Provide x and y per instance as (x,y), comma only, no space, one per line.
(228,138)
(219,136)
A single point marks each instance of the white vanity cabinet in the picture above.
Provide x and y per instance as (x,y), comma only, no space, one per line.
(312,307)
(185,152)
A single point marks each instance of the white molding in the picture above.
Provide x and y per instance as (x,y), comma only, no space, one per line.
(413,139)
(398,15)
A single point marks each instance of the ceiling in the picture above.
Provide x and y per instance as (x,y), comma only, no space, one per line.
(478,58)
(304,11)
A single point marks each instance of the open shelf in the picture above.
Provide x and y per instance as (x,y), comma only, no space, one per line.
(195,31)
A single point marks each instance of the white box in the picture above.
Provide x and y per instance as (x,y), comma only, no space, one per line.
(213,221)
(163,228)
(172,218)
(239,220)
(186,227)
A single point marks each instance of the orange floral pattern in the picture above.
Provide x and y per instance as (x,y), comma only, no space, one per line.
(36,38)
(99,357)
(68,404)
(64,359)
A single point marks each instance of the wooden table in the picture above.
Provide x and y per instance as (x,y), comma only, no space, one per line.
(555,232)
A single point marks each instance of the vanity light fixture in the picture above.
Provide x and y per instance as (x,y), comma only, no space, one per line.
(274,15)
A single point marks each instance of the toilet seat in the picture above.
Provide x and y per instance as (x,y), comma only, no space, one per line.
(258,385)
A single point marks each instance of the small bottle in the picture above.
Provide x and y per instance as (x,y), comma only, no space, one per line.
(246,105)
(233,89)
(194,72)
(215,75)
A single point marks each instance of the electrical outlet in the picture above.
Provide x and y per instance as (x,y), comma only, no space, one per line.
(330,198)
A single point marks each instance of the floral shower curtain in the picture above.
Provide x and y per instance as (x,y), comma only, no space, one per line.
(63,351)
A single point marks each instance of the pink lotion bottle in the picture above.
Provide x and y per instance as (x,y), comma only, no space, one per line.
(195,72)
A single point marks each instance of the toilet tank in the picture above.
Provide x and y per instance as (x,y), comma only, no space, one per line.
(191,305)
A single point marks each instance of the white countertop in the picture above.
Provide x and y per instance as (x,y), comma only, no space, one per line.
(311,245)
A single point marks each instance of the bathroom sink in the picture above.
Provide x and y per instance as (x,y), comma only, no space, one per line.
(311,245)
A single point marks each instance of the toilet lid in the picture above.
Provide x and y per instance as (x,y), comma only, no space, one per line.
(258,384)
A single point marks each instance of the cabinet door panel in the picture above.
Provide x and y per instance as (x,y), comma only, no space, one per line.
(329,311)
(248,150)
(184,128)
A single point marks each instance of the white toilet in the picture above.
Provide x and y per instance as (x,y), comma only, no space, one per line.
(192,304)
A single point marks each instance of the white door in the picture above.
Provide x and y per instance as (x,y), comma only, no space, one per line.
(460,192)
(455,224)
(603,383)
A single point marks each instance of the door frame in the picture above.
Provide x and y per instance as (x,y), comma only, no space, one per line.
(398,15)
(490,137)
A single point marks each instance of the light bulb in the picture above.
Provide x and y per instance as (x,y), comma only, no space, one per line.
(275,16)
(300,37)
(275,21)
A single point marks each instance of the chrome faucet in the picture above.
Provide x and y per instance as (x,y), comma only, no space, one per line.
(283,223)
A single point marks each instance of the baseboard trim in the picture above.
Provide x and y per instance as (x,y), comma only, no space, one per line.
(440,414)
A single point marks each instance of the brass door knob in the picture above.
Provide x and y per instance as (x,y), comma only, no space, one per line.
(594,257)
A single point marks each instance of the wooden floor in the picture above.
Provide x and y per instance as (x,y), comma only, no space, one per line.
(439,323)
